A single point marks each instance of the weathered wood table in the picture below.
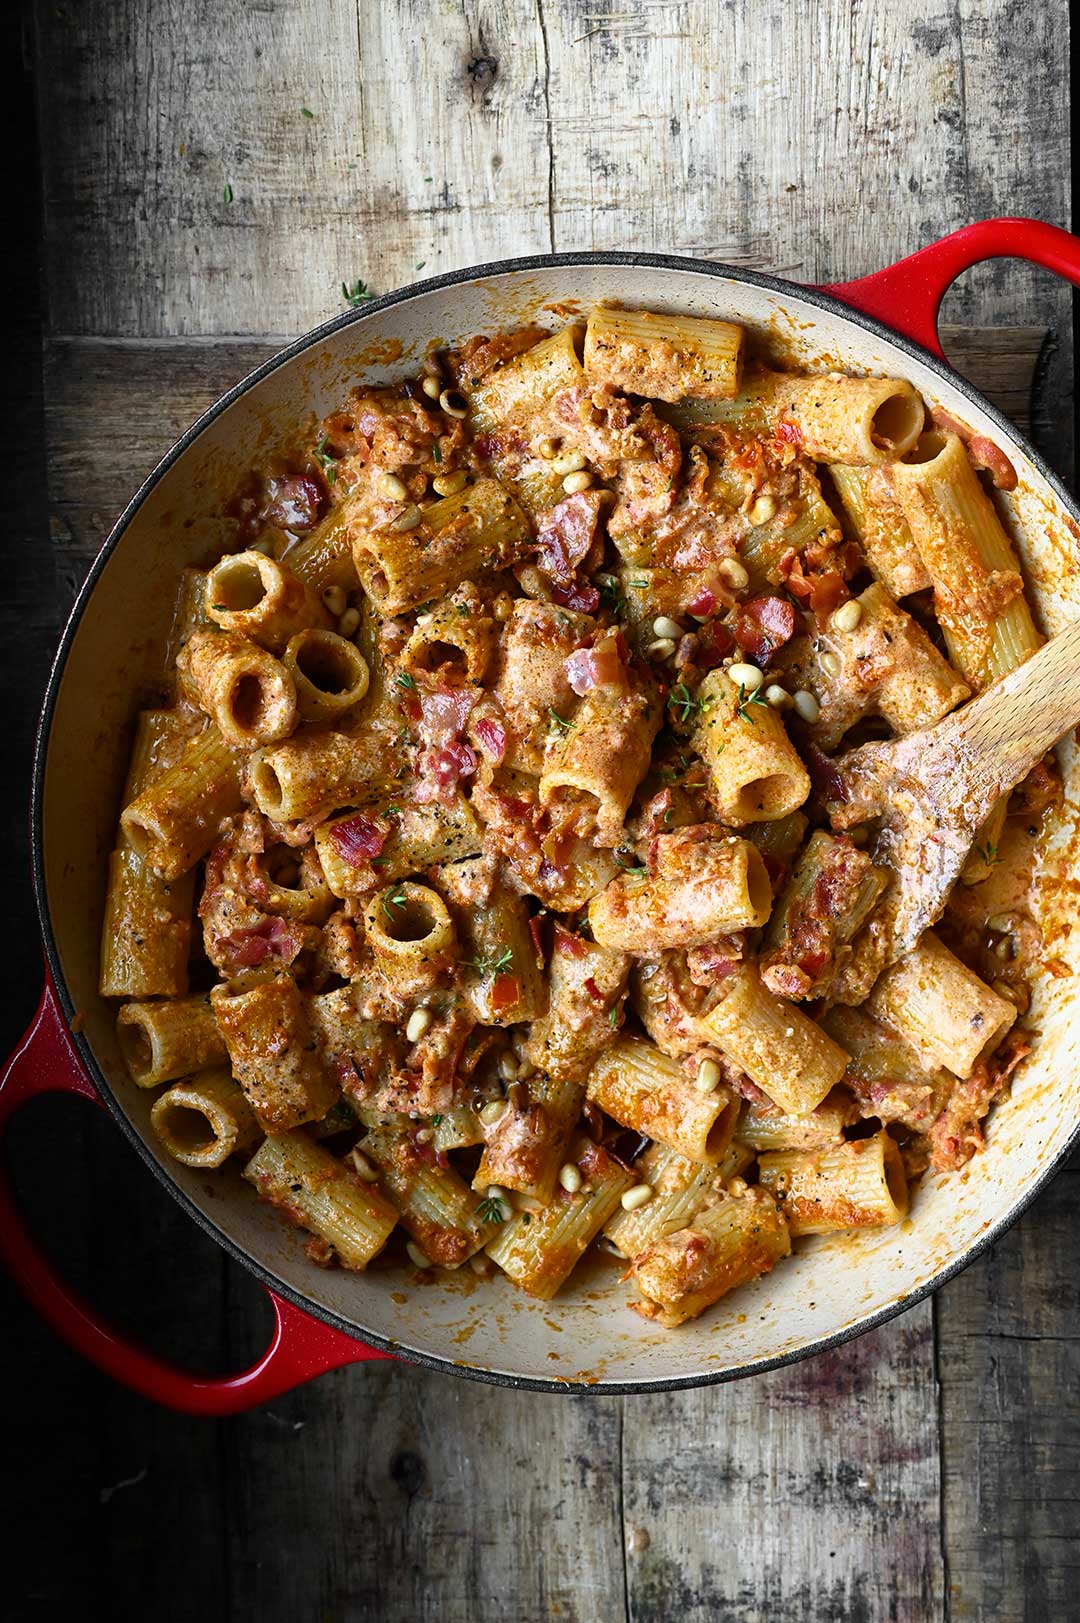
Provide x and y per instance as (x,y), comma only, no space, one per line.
(210,174)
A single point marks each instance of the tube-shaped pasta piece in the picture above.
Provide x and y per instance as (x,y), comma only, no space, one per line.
(701,883)
(204,1121)
(272,1051)
(436,1206)
(458,1128)
(314,773)
(883,1073)
(458,631)
(786,1054)
(408,928)
(651,1093)
(881,529)
(246,691)
(401,838)
(585,982)
(316,1191)
(756,773)
(679,1189)
(978,592)
(750,413)
(887,666)
(604,756)
(175,821)
(664,357)
(189,617)
(539,1250)
(146,929)
(525,1149)
(505,984)
(833,889)
(329,673)
(842,419)
(324,556)
(161,1041)
(803,520)
(258,597)
(425,554)
(860,1184)
(727,1244)
(948,1015)
(525,384)
(765,1128)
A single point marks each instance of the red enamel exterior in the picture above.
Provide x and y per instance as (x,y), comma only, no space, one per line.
(301,1346)
(905,297)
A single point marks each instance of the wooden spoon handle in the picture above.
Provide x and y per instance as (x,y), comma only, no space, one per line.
(995,740)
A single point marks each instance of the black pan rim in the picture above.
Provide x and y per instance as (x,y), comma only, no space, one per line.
(417,290)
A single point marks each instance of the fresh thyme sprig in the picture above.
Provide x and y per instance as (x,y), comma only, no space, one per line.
(490,1210)
(745,700)
(988,853)
(498,965)
(681,700)
(326,462)
(359,293)
(397,900)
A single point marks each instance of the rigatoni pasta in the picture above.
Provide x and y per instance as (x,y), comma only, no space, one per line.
(475,881)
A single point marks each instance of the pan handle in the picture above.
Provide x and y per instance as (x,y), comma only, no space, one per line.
(907,296)
(301,1347)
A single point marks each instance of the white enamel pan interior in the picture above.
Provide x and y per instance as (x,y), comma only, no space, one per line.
(111,654)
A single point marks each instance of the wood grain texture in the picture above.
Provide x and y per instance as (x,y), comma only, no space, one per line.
(811,1492)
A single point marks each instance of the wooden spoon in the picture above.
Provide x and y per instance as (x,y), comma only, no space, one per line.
(934,789)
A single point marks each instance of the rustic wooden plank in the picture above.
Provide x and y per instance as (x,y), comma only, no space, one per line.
(452,1502)
(1009,1364)
(811,1492)
(427,149)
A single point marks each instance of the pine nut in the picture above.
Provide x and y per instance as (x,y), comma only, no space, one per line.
(762,511)
(508,1067)
(575,483)
(568,462)
(708,1076)
(419,1022)
(503,607)
(362,1166)
(747,677)
(548,448)
(454,403)
(349,623)
(830,664)
(665,626)
(392,486)
(736,1186)
(776,697)
(517,1096)
(661,649)
(431,387)
(848,615)
(734,573)
(335,600)
(999,921)
(425,1135)
(448,484)
(416,1256)
(481,1265)
(497,1192)
(570,1178)
(640,1195)
(432,366)
(407,520)
(494,1112)
(807,707)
